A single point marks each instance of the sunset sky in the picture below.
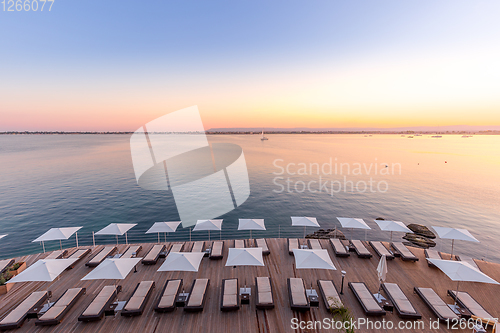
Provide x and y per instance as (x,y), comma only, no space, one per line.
(115,65)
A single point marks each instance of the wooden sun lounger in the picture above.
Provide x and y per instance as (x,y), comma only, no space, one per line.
(261,242)
(56,313)
(137,302)
(153,255)
(468,260)
(95,310)
(293,243)
(239,243)
(217,250)
(99,257)
(314,244)
(197,295)
(436,304)
(380,249)
(265,299)
(176,247)
(401,303)
(465,300)
(404,252)
(297,294)
(431,254)
(133,249)
(230,299)
(79,255)
(198,246)
(16,317)
(58,254)
(339,248)
(329,294)
(4,264)
(168,296)
(361,249)
(368,302)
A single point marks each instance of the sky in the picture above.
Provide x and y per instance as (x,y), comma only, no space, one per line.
(115,65)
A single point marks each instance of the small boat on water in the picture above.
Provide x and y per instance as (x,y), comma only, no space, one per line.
(410,137)
(418,134)
(436,136)
(466,136)
(263,138)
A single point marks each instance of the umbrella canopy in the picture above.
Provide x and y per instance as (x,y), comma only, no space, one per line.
(117,229)
(43,270)
(208,225)
(461,271)
(454,234)
(112,269)
(57,234)
(392,226)
(245,257)
(2,236)
(352,223)
(382,268)
(251,224)
(305,222)
(163,227)
(182,261)
(313,259)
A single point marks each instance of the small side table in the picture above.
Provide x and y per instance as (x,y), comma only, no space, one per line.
(245,295)
(387,305)
(312,295)
(181,299)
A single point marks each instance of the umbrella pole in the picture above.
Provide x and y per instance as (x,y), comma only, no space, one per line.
(43,246)
(456,295)
(304,231)
(126,239)
(158,237)
(165,237)
(209,235)
(60,244)
(250,233)
(391,236)
(452,243)
(77,239)
(189,234)
(93,239)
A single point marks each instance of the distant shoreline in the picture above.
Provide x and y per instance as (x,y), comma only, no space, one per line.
(370,132)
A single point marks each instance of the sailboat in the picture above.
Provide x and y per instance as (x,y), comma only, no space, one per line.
(262,138)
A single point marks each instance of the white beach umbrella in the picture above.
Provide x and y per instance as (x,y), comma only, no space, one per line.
(182,261)
(43,270)
(117,229)
(381,272)
(313,259)
(353,223)
(58,234)
(208,225)
(454,234)
(251,224)
(164,227)
(461,271)
(245,257)
(305,222)
(392,226)
(112,269)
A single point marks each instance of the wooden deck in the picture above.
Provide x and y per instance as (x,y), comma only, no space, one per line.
(279,265)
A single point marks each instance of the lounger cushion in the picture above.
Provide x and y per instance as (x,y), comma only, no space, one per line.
(437,303)
(471,304)
(197,247)
(153,253)
(176,247)
(135,302)
(403,250)
(264,293)
(198,292)
(399,297)
(315,244)
(261,242)
(168,297)
(381,248)
(102,255)
(22,309)
(217,248)
(130,251)
(366,297)
(230,293)
(360,247)
(100,301)
(339,247)
(239,243)
(432,254)
(77,254)
(332,297)
(298,292)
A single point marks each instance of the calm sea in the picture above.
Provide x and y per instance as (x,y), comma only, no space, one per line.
(88,180)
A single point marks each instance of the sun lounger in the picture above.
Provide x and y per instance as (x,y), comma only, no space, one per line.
(59,254)
(404,252)
(468,260)
(168,296)
(297,294)
(380,249)
(293,243)
(132,251)
(436,304)
(265,299)
(197,295)
(95,310)
(198,246)
(431,254)
(216,251)
(78,255)
(261,242)
(4,264)
(496,328)
(314,244)
(176,247)
(137,302)
(16,317)
(368,302)
(56,313)
(339,248)
(153,255)
(230,299)
(361,249)
(401,303)
(465,300)
(239,243)
(103,254)
(329,294)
